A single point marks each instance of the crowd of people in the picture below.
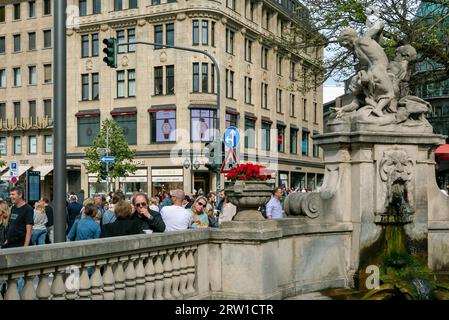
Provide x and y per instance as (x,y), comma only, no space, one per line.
(112,215)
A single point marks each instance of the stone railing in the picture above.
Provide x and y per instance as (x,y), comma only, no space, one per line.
(157,266)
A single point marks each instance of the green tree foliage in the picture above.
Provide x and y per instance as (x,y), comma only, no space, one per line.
(118,145)
(423,24)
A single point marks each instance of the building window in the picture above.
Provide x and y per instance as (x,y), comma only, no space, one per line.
(3,145)
(95,45)
(229,84)
(95,86)
(84,46)
(281,138)
(131,83)
(304,110)
(278,100)
(305,142)
(47,73)
(212,78)
(196,77)
(17,11)
(96,6)
(47,108)
(230,35)
(132,4)
(17,145)
(264,95)
(121,39)
(131,39)
(118,5)
(202,125)
(128,123)
(315,112)
(170,34)
(266,136)
(231,4)
(31,9)
(155,2)
(32,111)
(212,34)
(204,77)
(163,126)
(264,58)
(17,77)
(47,38)
(2,110)
(231,120)
(292,71)
(32,75)
(120,84)
(279,65)
(16,42)
(292,105)
(88,129)
(48,144)
(32,144)
(2,13)
(158,35)
(2,78)
(205,32)
(85,87)
(31,40)
(2,45)
(250,133)
(248,46)
(82,7)
(196,32)
(248,90)
(293,141)
(251,10)
(316,149)
(16,106)
(158,81)
(47,7)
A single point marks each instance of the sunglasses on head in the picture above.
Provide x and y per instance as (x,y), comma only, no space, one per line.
(141,204)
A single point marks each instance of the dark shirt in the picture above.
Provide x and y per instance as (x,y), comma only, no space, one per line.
(220,205)
(73,210)
(49,213)
(18,221)
(121,227)
(154,223)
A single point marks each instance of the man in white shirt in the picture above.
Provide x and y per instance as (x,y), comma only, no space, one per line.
(274,206)
(176,218)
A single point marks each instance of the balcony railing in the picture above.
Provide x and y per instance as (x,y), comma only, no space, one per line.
(26,123)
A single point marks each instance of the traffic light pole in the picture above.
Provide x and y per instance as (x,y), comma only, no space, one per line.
(107,163)
(217,71)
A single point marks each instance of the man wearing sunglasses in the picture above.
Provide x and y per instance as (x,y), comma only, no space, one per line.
(150,219)
(176,217)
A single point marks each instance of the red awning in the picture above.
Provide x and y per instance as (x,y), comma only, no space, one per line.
(443,149)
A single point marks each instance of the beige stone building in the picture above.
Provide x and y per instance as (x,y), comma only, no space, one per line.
(166,99)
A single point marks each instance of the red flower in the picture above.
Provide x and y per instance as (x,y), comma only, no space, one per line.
(249,172)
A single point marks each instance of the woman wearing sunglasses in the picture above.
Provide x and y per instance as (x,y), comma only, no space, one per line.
(199,216)
(150,219)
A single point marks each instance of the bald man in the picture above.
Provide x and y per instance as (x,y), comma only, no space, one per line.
(176,218)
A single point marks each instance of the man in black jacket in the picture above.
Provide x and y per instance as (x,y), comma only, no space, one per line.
(150,219)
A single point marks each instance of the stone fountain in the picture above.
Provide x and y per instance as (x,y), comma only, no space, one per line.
(380,170)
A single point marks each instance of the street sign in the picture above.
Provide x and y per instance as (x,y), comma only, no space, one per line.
(13,180)
(107,159)
(231,137)
(14,169)
(103,150)
(230,161)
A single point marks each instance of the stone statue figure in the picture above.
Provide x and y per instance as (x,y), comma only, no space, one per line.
(377,85)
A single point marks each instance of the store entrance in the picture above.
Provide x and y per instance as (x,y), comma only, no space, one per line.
(201,182)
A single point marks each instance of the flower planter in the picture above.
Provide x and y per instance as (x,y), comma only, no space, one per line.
(248,196)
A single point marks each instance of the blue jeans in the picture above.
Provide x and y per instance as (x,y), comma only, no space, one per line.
(38,236)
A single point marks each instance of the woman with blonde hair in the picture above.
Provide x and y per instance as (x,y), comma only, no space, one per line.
(4,218)
(199,216)
(39,228)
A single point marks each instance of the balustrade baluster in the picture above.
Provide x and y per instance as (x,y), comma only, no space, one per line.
(119,277)
(130,279)
(183,270)
(159,276)
(109,281)
(29,293)
(57,286)
(149,276)
(140,278)
(84,291)
(168,280)
(176,273)
(12,292)
(96,281)
(43,291)
(191,270)
(72,283)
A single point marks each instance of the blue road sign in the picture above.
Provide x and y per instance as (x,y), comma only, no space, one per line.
(107,159)
(231,137)
(13,166)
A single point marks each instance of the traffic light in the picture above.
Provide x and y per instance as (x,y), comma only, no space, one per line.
(214,155)
(103,171)
(111,52)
